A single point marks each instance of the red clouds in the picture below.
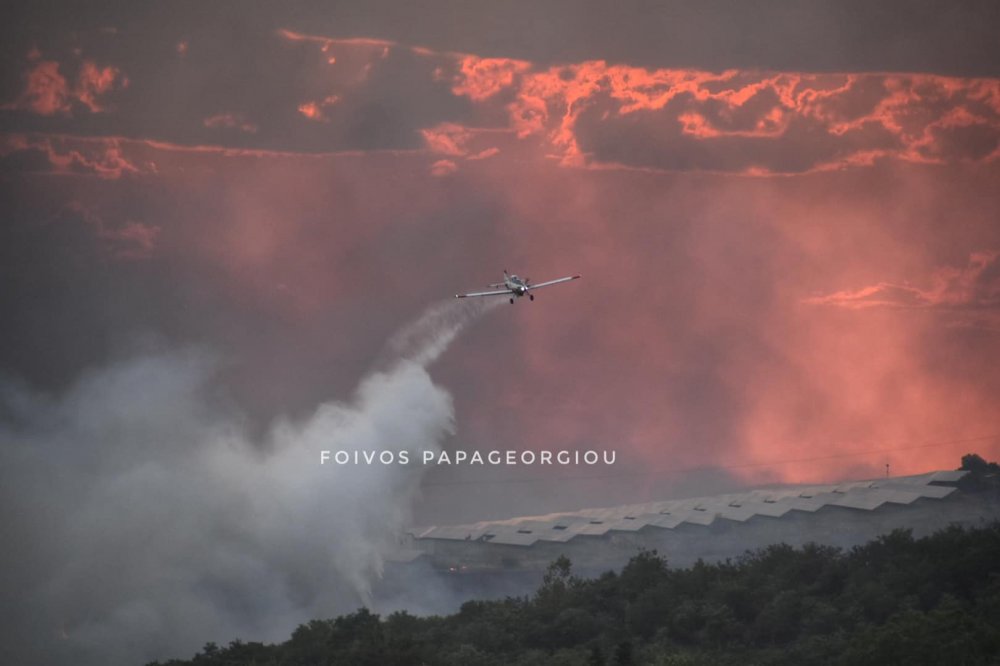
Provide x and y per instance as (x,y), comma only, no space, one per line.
(47,91)
(481,78)
(102,157)
(693,119)
(443,167)
(230,121)
(599,115)
(93,82)
(457,141)
(317,110)
(447,139)
(968,295)
(588,114)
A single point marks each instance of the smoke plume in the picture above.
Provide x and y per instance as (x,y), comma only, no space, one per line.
(157,525)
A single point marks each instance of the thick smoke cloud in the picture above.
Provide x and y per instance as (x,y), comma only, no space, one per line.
(144,522)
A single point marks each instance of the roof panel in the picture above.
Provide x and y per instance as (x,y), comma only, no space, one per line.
(857,501)
(948,476)
(515,539)
(667,514)
(666,521)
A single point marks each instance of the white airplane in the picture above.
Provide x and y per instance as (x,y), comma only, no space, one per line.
(516,287)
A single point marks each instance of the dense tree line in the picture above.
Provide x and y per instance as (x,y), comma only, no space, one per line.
(895,600)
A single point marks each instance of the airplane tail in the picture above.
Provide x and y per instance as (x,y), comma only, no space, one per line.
(497,285)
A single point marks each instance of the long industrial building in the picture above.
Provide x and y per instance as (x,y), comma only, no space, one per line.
(708,528)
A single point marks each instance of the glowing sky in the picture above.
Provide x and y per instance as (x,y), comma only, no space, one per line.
(790,243)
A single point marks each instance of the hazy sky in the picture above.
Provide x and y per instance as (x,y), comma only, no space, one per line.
(786,215)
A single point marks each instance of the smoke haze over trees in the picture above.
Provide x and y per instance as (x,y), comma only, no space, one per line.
(895,600)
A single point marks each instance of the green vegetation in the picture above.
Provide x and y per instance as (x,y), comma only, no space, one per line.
(895,600)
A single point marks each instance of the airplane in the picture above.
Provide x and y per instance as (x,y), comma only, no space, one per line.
(515,287)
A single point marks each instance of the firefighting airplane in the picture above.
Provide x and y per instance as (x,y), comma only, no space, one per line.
(516,287)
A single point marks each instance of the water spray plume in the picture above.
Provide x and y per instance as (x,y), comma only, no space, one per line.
(169,526)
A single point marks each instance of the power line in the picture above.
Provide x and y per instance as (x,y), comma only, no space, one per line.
(710,468)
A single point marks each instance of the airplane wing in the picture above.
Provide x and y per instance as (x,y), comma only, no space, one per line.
(551,282)
(484,293)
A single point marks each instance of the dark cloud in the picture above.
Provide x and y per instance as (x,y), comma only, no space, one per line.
(947,37)
(79,292)
(310,93)
(367,100)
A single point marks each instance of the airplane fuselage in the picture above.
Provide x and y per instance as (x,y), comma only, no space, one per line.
(516,285)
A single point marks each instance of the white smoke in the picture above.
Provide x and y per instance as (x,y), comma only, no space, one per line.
(155,525)
(424,340)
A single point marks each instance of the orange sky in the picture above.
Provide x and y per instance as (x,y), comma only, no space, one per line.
(788,275)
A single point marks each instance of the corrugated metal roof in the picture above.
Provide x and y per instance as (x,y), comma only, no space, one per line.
(669,514)
(948,475)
